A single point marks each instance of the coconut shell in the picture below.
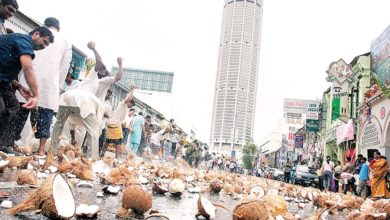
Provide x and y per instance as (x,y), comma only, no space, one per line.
(202,210)
(159,188)
(136,199)
(77,151)
(41,199)
(26,177)
(215,187)
(250,210)
(176,187)
(50,161)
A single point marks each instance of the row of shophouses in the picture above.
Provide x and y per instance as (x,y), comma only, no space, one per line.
(353,115)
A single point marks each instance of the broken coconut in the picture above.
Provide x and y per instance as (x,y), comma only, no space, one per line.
(27,150)
(54,197)
(257,192)
(159,188)
(87,211)
(176,187)
(206,208)
(50,161)
(215,187)
(112,189)
(136,199)
(250,209)
(26,177)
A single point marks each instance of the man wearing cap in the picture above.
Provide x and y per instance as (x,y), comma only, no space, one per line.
(7,9)
(52,65)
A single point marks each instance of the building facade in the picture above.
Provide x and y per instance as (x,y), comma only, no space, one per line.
(148,80)
(237,73)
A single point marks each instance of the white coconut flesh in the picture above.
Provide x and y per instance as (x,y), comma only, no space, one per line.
(190,178)
(84,209)
(63,197)
(208,207)
(4,163)
(176,186)
(257,191)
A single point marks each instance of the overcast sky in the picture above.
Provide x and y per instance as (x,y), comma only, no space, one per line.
(300,39)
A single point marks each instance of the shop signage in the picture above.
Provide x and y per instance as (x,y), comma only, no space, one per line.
(331,134)
(312,125)
(297,106)
(339,74)
(313,108)
(370,135)
(293,115)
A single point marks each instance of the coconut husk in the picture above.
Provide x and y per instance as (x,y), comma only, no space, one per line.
(70,154)
(50,161)
(131,156)
(250,210)
(19,162)
(118,175)
(44,198)
(26,177)
(124,213)
(3,155)
(78,152)
(27,150)
(276,205)
(386,209)
(82,171)
(215,187)
(136,199)
(65,167)
(228,188)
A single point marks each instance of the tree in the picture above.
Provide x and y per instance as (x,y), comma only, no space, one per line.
(250,153)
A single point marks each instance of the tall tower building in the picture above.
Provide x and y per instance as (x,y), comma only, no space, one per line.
(236,82)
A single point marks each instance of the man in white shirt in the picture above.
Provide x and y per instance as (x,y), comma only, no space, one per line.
(127,125)
(52,66)
(114,133)
(98,82)
(106,116)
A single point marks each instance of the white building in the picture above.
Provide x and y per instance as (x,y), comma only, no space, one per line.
(236,82)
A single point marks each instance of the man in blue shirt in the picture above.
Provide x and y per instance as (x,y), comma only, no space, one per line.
(363,177)
(17,53)
(7,10)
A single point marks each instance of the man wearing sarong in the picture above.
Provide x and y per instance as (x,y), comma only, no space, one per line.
(114,133)
(379,171)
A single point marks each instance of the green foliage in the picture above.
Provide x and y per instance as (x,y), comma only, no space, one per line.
(249,152)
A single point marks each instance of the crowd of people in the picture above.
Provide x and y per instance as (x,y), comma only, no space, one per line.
(363,177)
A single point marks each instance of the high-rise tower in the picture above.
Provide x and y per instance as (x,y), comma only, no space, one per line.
(236,82)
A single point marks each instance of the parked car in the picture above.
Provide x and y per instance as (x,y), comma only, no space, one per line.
(277,174)
(306,176)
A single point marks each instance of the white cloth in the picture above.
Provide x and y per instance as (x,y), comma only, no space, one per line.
(328,167)
(107,110)
(51,66)
(104,85)
(85,101)
(119,114)
(97,86)
(129,122)
(75,84)
(91,83)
